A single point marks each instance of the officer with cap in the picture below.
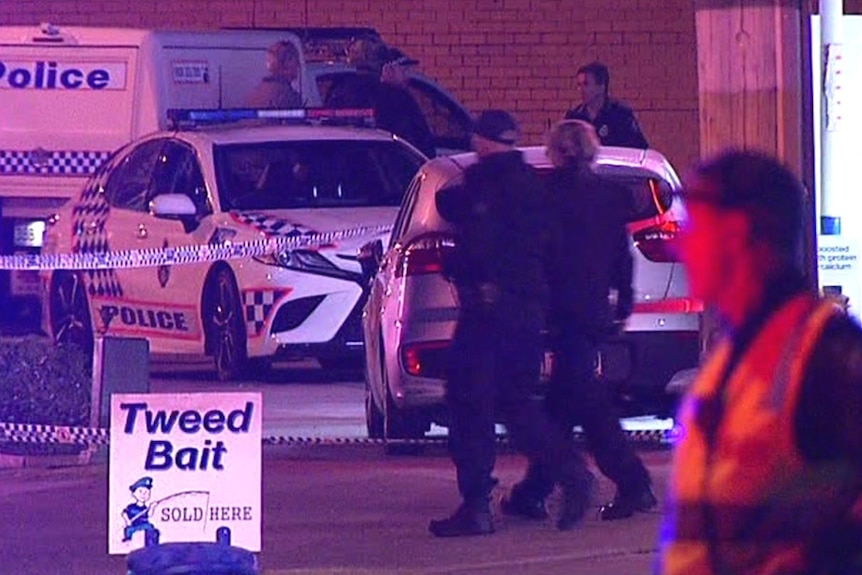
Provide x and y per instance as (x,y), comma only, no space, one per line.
(498,268)
(395,110)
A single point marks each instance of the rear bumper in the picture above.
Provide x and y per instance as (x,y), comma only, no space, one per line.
(636,365)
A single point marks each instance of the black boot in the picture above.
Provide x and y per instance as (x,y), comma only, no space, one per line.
(625,505)
(469,519)
(521,504)
(577,493)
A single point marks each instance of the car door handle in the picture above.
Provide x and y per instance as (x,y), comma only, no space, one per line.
(142,232)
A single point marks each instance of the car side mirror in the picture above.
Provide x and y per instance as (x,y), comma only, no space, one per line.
(370,256)
(175,207)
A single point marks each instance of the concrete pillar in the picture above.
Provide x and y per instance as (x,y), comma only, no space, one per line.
(750,69)
(753,59)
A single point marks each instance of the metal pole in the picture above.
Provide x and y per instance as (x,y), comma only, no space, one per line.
(831,113)
(809,256)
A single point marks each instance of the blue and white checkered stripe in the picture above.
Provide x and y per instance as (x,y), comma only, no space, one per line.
(181,254)
(51,163)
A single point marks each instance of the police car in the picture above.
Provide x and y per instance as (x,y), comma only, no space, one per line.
(411,311)
(215,181)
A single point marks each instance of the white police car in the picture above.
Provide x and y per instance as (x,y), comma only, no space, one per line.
(411,311)
(206,185)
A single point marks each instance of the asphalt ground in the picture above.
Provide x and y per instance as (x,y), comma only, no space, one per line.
(338,509)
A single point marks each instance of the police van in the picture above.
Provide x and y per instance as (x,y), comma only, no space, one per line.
(72,95)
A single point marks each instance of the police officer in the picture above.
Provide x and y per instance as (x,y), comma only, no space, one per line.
(501,220)
(395,110)
(277,90)
(769,468)
(590,255)
(615,122)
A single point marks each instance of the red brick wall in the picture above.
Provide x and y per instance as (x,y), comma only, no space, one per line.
(517,54)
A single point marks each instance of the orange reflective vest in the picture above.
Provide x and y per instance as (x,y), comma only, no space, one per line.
(741,498)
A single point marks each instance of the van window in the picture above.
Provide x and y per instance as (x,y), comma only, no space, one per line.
(448,122)
(130,185)
(316,174)
(650,196)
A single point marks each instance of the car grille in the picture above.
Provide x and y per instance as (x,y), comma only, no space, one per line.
(294,313)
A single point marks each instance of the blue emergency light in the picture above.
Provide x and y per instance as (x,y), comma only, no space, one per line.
(199,117)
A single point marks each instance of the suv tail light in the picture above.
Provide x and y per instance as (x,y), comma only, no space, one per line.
(659,243)
(425,254)
(425,359)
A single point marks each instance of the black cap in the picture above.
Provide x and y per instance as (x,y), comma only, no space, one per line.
(399,58)
(498,126)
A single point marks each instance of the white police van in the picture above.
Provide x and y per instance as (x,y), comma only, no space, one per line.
(72,95)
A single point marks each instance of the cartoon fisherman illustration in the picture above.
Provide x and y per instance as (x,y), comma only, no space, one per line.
(137,515)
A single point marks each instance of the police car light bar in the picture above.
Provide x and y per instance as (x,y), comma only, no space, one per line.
(197,117)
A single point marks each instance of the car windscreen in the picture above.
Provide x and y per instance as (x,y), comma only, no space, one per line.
(314,174)
(651,195)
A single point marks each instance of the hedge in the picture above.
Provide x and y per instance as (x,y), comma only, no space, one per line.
(42,383)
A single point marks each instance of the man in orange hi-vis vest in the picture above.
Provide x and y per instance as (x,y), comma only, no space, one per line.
(769,467)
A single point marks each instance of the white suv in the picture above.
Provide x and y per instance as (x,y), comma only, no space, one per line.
(205,185)
(411,311)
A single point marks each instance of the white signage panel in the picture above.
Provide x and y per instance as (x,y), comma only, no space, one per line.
(184,465)
(837,79)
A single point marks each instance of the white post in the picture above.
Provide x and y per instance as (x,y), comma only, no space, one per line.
(831,113)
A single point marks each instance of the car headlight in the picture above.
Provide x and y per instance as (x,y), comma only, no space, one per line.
(303,260)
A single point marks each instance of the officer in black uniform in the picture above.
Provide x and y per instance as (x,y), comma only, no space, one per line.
(589,256)
(615,123)
(498,268)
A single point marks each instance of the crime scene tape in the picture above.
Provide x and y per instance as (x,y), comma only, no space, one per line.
(49,434)
(180,254)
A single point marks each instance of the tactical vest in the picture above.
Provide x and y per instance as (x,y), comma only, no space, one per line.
(741,499)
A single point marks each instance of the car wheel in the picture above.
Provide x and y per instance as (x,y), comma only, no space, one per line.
(70,312)
(225,326)
(373,416)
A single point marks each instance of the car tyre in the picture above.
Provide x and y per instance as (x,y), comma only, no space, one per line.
(225,326)
(373,415)
(70,312)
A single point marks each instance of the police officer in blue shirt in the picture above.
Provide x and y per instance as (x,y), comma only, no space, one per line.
(615,122)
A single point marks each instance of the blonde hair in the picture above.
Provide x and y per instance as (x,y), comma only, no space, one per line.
(572,142)
(284,51)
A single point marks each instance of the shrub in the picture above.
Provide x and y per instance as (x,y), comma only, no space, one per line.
(42,383)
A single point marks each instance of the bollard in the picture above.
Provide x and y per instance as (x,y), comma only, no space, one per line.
(201,558)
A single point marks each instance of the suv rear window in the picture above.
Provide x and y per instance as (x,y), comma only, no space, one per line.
(651,196)
(314,174)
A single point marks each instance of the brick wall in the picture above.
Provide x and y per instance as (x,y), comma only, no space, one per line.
(517,54)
